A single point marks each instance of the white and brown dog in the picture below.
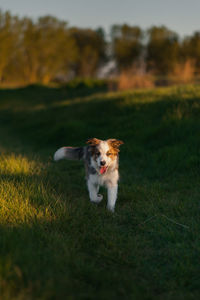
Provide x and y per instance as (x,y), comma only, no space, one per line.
(101,160)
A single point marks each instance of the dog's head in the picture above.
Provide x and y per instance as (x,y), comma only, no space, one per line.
(104,153)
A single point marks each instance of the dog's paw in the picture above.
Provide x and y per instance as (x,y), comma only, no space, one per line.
(97,199)
(111,208)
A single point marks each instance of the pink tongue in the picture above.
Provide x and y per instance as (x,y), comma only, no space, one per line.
(103,170)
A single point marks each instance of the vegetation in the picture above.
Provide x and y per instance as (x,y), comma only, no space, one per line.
(127,45)
(162,50)
(54,243)
(48,50)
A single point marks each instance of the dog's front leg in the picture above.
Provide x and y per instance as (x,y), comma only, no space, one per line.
(112,197)
(93,192)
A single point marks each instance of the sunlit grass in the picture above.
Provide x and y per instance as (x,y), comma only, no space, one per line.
(17,164)
(25,196)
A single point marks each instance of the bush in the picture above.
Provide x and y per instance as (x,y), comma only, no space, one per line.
(184,72)
(135,79)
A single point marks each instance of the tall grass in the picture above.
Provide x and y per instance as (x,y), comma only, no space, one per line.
(184,72)
(135,78)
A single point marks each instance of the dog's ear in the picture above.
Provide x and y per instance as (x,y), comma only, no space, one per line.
(115,143)
(93,142)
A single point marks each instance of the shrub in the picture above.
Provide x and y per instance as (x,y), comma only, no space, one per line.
(183,72)
(134,78)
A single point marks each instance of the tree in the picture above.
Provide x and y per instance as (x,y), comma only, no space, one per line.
(91,50)
(162,50)
(8,40)
(48,49)
(126,44)
(190,49)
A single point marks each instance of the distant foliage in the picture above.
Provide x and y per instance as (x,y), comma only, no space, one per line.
(90,46)
(162,50)
(127,44)
(48,50)
(191,50)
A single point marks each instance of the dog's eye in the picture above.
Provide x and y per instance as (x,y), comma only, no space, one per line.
(109,153)
(97,153)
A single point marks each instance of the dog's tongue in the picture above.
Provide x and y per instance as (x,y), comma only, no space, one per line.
(103,170)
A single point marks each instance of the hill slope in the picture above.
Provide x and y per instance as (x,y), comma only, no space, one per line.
(53,242)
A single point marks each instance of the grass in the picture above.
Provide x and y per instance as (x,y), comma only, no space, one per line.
(55,244)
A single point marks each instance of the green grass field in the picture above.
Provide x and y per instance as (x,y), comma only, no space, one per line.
(55,244)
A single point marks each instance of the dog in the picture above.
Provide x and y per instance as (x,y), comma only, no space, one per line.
(101,159)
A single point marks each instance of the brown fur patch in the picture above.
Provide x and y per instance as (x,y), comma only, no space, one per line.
(93,142)
(114,145)
(112,152)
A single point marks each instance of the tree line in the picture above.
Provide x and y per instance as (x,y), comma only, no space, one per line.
(48,49)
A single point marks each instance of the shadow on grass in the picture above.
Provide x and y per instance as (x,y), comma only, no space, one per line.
(34,94)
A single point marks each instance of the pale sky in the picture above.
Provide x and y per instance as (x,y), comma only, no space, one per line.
(182,16)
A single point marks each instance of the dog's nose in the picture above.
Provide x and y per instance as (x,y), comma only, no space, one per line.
(102,163)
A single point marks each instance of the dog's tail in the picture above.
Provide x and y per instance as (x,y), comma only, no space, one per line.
(71,153)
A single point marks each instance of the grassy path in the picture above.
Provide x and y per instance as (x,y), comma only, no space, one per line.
(54,244)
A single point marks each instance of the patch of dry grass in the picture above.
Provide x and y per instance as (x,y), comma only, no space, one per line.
(134,78)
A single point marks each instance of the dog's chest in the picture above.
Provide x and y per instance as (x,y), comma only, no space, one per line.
(105,179)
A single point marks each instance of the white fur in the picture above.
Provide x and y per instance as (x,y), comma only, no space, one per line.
(110,181)
(110,164)
(103,148)
(59,154)
(93,192)
(112,197)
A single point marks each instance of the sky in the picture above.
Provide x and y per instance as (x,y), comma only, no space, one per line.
(182,16)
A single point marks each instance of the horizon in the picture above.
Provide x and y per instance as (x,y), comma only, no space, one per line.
(183,20)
